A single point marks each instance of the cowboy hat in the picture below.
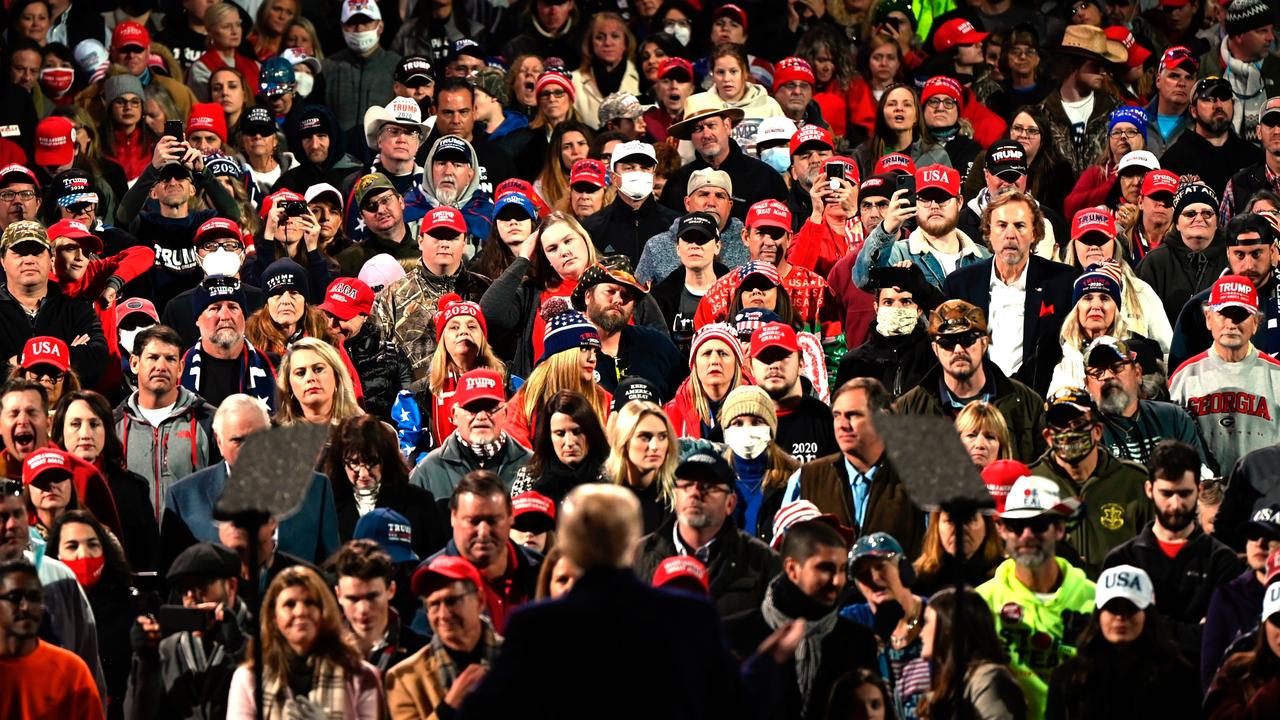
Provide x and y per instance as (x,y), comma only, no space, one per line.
(699,107)
(1091,42)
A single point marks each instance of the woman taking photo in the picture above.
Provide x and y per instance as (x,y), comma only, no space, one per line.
(1126,661)
(569,448)
(293,242)
(311,664)
(717,366)
(606,67)
(733,86)
(750,425)
(643,459)
(314,385)
(971,677)
(225,30)
(366,471)
(569,143)
(286,317)
(899,128)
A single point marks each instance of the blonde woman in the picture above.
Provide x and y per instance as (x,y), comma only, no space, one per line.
(645,452)
(1098,297)
(226,32)
(314,385)
(606,67)
(718,366)
(732,85)
(984,433)
(302,629)
(750,423)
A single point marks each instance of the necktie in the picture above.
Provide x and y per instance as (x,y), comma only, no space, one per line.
(860,491)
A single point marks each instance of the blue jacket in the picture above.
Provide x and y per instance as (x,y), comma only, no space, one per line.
(311,533)
(257,375)
(883,250)
(1233,613)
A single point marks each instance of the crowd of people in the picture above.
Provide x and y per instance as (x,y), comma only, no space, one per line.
(600,305)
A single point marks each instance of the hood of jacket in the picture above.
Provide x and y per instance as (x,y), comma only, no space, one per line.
(326,116)
(429,186)
(185,402)
(511,122)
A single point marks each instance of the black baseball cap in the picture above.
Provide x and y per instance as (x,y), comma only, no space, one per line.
(699,223)
(1006,156)
(414,71)
(703,466)
(1212,88)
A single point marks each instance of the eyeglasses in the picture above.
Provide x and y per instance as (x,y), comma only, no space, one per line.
(964,340)
(1098,373)
(1038,524)
(704,488)
(450,602)
(234,246)
(82,208)
(17,597)
(940,102)
(1119,133)
(374,206)
(552,95)
(1205,215)
(356,464)
(932,202)
(490,411)
(1023,52)
(23,195)
(127,102)
(396,131)
(1030,131)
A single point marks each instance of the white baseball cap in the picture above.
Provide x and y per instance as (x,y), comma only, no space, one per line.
(775,129)
(1125,582)
(1032,496)
(368,8)
(632,149)
(1270,601)
(1138,158)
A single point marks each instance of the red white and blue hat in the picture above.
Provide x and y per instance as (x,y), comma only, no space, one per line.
(567,329)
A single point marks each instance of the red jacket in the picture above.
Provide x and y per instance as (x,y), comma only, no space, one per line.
(859,306)
(1090,190)
(128,264)
(682,412)
(132,151)
(862,105)
(834,104)
(988,127)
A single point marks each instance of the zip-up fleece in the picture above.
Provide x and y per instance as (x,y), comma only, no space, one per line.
(164,455)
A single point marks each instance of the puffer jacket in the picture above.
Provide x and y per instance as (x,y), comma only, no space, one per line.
(164,455)
(1095,134)
(382,367)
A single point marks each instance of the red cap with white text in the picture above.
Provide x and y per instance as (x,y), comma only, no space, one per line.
(346,298)
(1233,291)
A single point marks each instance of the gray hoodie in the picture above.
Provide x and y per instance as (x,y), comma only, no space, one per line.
(181,445)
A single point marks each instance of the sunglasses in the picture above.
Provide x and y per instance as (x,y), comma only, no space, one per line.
(1094,239)
(964,340)
(1038,524)
(695,238)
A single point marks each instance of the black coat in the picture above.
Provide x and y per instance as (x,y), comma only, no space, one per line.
(60,316)
(645,352)
(1191,154)
(141,539)
(418,506)
(664,657)
(1047,305)
(383,369)
(667,295)
(899,363)
(753,181)
(617,229)
(180,312)
(1176,273)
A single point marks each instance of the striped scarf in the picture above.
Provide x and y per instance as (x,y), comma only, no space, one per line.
(327,698)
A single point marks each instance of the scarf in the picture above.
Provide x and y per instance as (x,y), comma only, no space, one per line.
(608,80)
(484,452)
(783,602)
(327,698)
(1250,91)
(447,671)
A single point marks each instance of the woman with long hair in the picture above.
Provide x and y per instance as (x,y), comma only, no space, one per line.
(229,88)
(569,143)
(972,677)
(650,54)
(717,366)
(29,19)
(557,576)
(936,568)
(554,93)
(1127,662)
(877,67)
(568,362)
(1247,684)
(514,218)
(899,128)
(311,663)
(225,30)
(314,385)
(547,265)
(606,66)
(984,433)
(1049,176)
(1098,295)
(826,49)
(750,424)
(270,25)
(731,84)
(301,34)
(258,139)
(860,694)
(287,316)
(367,471)
(569,448)
(685,23)
(645,452)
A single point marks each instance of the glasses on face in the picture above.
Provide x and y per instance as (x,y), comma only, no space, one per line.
(475,412)
(1030,131)
(964,340)
(396,131)
(355,464)
(552,95)
(1205,215)
(1021,51)
(1038,524)
(929,202)
(17,597)
(943,102)
(234,246)
(128,102)
(374,206)
(23,195)
(1098,373)
(704,488)
(83,208)
(1127,134)
(450,602)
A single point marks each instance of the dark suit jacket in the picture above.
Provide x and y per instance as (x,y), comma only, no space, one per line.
(311,533)
(1048,304)
(665,657)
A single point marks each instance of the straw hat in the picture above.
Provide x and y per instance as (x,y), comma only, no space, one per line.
(1091,42)
(699,107)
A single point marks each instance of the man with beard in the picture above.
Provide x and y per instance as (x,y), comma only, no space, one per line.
(452,179)
(1131,424)
(1230,388)
(1251,253)
(1115,508)
(1079,107)
(455,105)
(897,352)
(936,246)
(1040,602)
(739,567)
(480,511)
(804,422)
(1264,175)
(608,293)
(224,362)
(965,373)
(810,147)
(810,587)
(1186,564)
(317,144)
(1212,151)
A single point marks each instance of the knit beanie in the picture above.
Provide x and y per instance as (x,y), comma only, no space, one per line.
(1135,116)
(122,84)
(215,289)
(1191,194)
(1096,279)
(1246,15)
(567,329)
(284,275)
(450,306)
(717,331)
(749,400)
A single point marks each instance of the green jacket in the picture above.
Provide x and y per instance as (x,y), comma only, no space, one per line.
(1039,635)
(1114,506)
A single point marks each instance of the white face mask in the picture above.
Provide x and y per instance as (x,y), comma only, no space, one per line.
(221,262)
(306,82)
(893,321)
(361,42)
(748,441)
(683,33)
(778,158)
(637,184)
(127,337)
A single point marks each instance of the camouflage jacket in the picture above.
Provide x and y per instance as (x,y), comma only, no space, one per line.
(405,312)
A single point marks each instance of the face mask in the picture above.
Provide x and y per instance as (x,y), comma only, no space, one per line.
(127,337)
(56,81)
(88,570)
(221,262)
(895,321)
(306,81)
(361,42)
(1073,446)
(778,158)
(637,184)
(747,441)
(683,33)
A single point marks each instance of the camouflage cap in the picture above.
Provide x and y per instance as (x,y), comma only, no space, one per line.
(493,82)
(369,184)
(620,105)
(25,231)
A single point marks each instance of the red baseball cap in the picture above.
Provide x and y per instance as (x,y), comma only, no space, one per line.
(999,476)
(207,117)
(46,350)
(1157,181)
(22,172)
(446,217)
(588,170)
(524,187)
(55,141)
(790,69)
(675,64)
(681,572)
(45,460)
(1273,567)
(811,134)
(895,162)
(731,11)
(446,568)
(125,308)
(938,177)
(854,176)
(769,213)
(1233,291)
(280,195)
(217,227)
(346,298)
(129,34)
(69,228)
(774,335)
(1137,53)
(1093,219)
(533,512)
(956,32)
(480,384)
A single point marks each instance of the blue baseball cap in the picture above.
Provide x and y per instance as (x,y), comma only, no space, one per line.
(877,544)
(391,531)
(515,198)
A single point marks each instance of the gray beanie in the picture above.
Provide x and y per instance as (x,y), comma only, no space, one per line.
(122,84)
